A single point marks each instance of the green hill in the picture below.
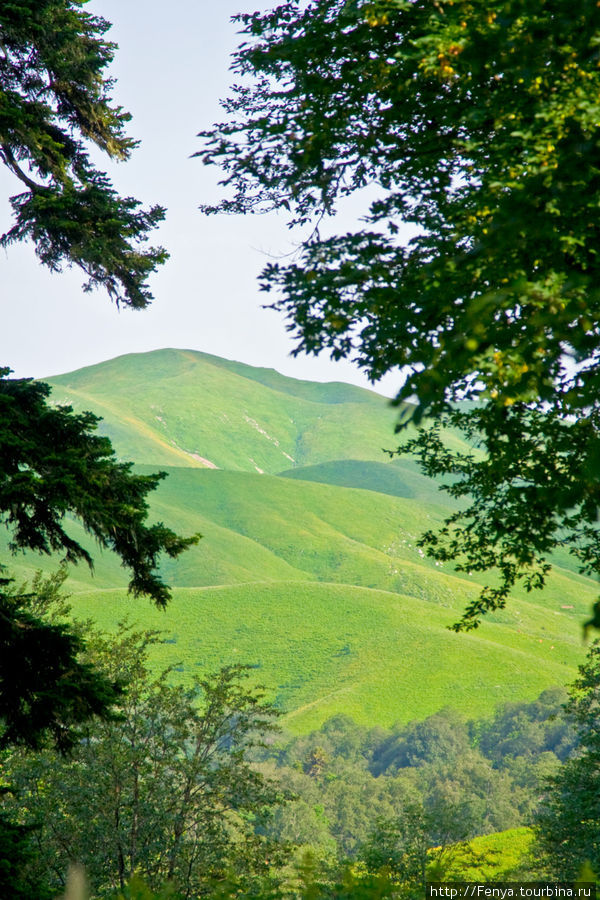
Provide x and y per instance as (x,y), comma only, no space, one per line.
(184,408)
(400,479)
(380,657)
(312,575)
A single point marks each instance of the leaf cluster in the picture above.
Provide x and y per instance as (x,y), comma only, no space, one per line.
(487,157)
(165,788)
(532,490)
(54,103)
(47,689)
(568,822)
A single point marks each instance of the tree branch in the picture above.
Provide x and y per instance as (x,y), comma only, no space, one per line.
(9,159)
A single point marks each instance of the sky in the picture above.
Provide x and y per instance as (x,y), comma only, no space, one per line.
(172,67)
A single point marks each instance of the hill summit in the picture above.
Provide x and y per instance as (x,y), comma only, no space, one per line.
(186,408)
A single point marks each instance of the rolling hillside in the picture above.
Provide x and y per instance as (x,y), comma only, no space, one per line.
(184,408)
(308,568)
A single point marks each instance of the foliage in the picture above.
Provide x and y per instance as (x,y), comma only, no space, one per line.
(401,848)
(533,493)
(529,729)
(54,103)
(313,884)
(503,856)
(136,889)
(414,773)
(164,789)
(475,124)
(342,883)
(16,860)
(568,824)
(491,799)
(54,107)
(441,737)
(52,464)
(46,688)
(438,800)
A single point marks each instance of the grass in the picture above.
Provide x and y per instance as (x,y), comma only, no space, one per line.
(179,407)
(376,656)
(314,575)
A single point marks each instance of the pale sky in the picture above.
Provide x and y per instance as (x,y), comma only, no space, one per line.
(171,69)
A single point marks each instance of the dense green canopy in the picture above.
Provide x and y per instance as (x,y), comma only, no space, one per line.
(568,821)
(46,687)
(166,790)
(477,124)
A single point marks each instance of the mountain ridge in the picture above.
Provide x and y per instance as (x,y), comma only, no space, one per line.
(270,422)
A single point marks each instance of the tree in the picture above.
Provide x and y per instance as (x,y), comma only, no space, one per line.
(18,856)
(46,688)
(568,823)
(52,464)
(165,788)
(475,123)
(441,737)
(417,841)
(54,102)
(528,730)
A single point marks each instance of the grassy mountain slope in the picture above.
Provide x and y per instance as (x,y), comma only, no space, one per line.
(265,528)
(312,575)
(380,657)
(322,589)
(260,528)
(184,408)
(401,478)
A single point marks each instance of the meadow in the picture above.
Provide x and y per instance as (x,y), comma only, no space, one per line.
(310,572)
